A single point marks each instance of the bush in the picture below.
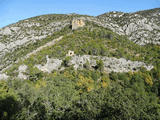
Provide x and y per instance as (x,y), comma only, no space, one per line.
(100,65)
(66,61)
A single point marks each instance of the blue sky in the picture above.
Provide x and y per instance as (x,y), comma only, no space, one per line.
(13,10)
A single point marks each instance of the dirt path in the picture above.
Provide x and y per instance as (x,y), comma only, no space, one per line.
(34,52)
(42,47)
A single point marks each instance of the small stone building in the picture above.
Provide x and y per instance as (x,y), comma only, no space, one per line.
(70,53)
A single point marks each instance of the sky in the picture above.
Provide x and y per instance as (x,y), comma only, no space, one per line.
(12,11)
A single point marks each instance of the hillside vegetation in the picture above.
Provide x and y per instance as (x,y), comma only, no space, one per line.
(88,92)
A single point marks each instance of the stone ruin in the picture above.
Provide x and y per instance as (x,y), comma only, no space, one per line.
(77,23)
(70,53)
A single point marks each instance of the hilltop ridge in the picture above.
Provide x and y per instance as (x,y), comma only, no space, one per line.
(141,27)
(80,67)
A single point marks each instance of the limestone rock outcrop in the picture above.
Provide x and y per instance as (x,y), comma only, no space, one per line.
(24,33)
(141,27)
(3,76)
(52,64)
(22,69)
(111,64)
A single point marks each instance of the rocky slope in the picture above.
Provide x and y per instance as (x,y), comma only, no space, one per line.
(141,27)
(74,67)
(28,32)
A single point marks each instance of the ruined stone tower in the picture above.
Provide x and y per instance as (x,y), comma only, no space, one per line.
(77,23)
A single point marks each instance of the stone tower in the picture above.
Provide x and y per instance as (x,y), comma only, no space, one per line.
(77,23)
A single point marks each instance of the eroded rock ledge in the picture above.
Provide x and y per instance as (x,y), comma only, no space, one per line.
(111,64)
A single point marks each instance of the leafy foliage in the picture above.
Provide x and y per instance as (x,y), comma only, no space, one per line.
(85,94)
